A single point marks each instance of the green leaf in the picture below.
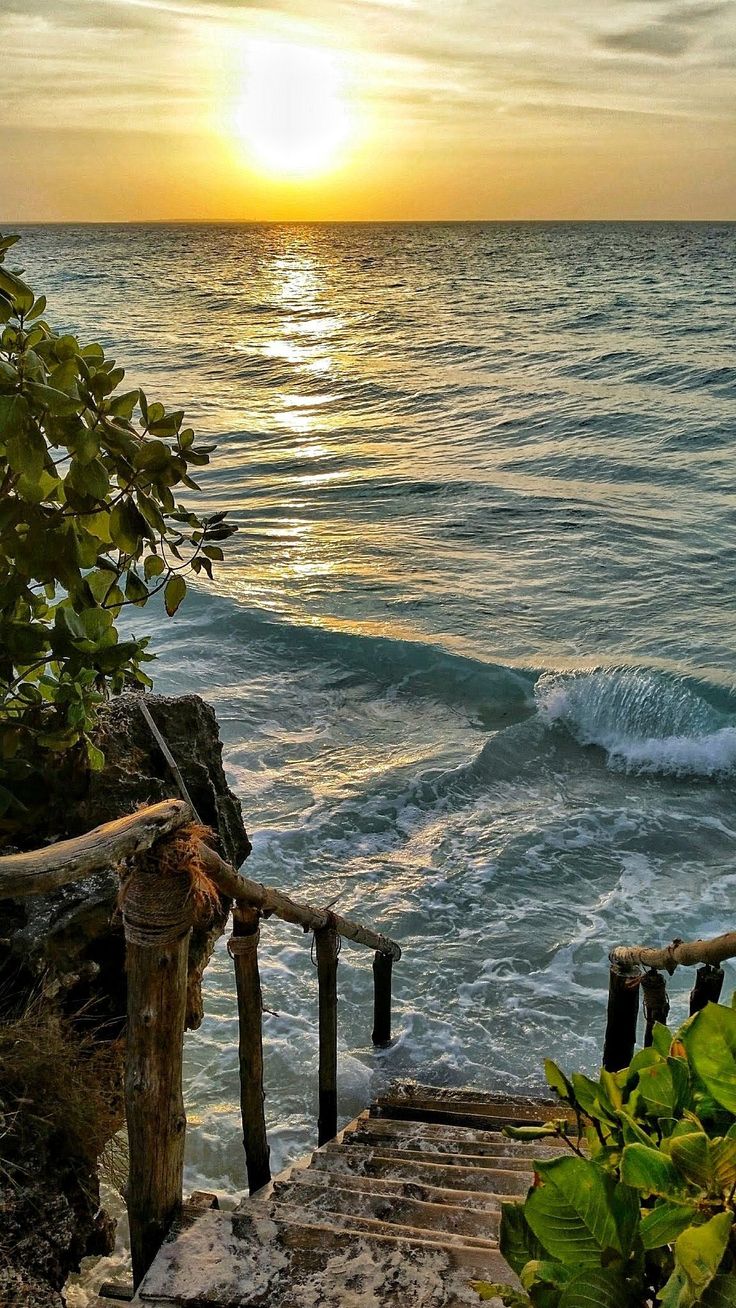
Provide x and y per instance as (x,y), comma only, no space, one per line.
(174,592)
(56,402)
(38,308)
(494,1290)
(135,590)
(517,1241)
(663,1223)
(21,295)
(710,1041)
(153,566)
(698,1255)
(650,1171)
(691,1154)
(128,527)
(580,1212)
(95,757)
(26,450)
(604,1288)
(721,1293)
(532,1132)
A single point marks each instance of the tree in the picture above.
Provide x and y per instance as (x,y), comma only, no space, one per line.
(89,523)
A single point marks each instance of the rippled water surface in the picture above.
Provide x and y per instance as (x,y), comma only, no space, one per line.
(473,647)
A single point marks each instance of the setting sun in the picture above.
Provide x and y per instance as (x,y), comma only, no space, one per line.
(292,116)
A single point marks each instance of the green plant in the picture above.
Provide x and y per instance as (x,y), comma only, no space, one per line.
(89,523)
(641,1208)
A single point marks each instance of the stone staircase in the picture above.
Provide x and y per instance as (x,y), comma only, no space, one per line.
(402,1208)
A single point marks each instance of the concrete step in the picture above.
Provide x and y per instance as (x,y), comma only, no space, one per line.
(508,1159)
(504,1181)
(472,1200)
(287,1208)
(394,1206)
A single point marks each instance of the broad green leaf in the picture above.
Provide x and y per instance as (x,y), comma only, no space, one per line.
(723,1158)
(153,566)
(38,308)
(532,1132)
(15,288)
(127,527)
(599,1288)
(135,590)
(486,1290)
(699,1252)
(517,1241)
(710,1041)
(579,1212)
(691,1154)
(95,757)
(663,1223)
(174,592)
(650,1171)
(662,1039)
(721,1292)
(26,451)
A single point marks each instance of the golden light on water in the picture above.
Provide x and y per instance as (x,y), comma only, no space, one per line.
(292,115)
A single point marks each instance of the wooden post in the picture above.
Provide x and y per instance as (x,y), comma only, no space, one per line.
(382,966)
(243,948)
(707,988)
(157,920)
(327,951)
(623,1012)
(656,1003)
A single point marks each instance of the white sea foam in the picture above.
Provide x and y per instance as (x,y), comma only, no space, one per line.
(644,722)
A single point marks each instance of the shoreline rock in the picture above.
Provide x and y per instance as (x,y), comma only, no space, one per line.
(69,945)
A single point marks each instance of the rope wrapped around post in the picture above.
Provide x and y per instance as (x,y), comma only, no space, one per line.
(243,949)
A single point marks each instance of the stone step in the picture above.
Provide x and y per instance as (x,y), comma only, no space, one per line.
(444,1139)
(394,1206)
(483,1114)
(494,1179)
(227,1259)
(508,1159)
(471,1200)
(287,1208)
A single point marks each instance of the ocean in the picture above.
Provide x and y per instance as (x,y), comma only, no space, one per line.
(473,647)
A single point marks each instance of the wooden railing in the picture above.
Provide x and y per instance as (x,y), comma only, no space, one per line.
(157,916)
(627,981)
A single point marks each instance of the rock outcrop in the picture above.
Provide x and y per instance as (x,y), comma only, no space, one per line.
(70,945)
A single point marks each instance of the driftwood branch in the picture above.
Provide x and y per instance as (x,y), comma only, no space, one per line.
(276,903)
(40,870)
(680,953)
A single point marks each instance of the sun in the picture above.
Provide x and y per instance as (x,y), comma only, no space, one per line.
(292,116)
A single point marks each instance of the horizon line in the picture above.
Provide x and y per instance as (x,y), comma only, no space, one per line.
(345,222)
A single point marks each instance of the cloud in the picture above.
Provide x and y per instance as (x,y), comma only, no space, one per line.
(667,37)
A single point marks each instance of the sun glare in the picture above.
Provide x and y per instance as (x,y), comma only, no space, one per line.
(292,116)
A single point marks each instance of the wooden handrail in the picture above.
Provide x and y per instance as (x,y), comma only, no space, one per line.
(626,981)
(38,871)
(680,953)
(157,919)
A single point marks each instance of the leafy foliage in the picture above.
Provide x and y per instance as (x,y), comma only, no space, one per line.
(89,523)
(642,1207)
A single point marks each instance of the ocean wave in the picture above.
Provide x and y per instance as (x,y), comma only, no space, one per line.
(645,722)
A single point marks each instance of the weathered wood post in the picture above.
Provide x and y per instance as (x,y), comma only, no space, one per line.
(382,968)
(707,988)
(243,949)
(327,943)
(656,1003)
(623,1013)
(157,917)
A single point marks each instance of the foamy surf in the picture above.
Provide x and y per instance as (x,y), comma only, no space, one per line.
(645,722)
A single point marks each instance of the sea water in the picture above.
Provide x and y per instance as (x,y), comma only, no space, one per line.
(473,647)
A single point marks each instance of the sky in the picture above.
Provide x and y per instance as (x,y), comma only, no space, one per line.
(134,110)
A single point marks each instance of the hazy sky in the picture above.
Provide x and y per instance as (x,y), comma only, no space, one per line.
(137,109)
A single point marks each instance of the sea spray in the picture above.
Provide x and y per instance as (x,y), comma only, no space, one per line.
(645,721)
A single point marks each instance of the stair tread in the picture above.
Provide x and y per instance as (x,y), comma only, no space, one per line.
(224,1259)
(504,1159)
(287,1208)
(393,1206)
(499,1180)
(410,1188)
